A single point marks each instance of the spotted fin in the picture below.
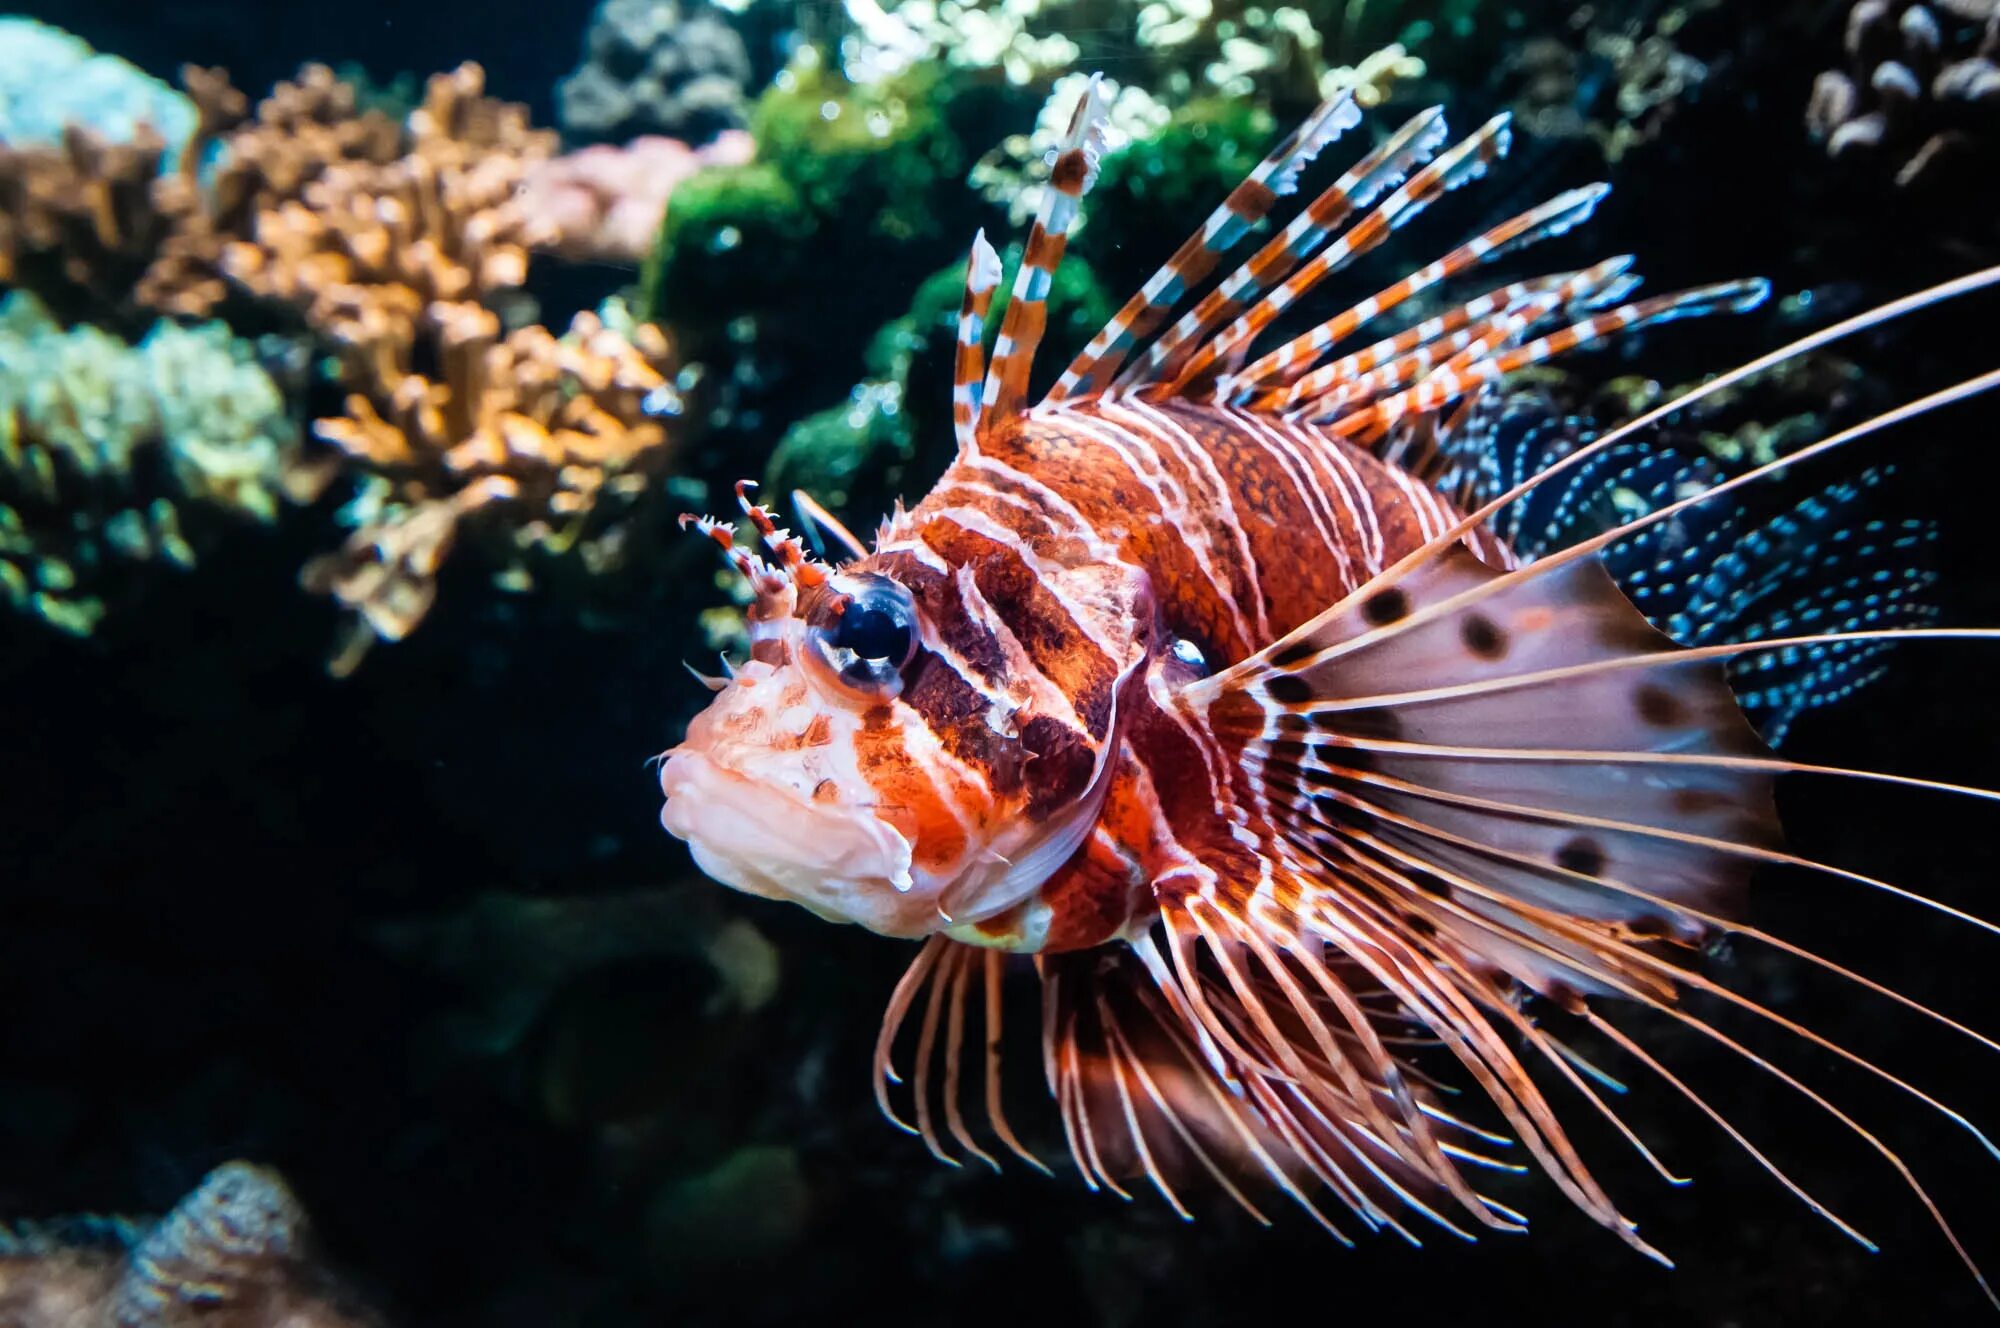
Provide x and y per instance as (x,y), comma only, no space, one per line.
(1716,573)
(1350,726)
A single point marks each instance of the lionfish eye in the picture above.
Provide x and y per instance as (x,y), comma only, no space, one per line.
(866,632)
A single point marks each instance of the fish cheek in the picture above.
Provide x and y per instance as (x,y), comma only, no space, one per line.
(960,715)
(1060,765)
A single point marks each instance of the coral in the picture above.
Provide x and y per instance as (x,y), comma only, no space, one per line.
(77,221)
(564,437)
(1919,100)
(375,254)
(348,216)
(386,242)
(844,173)
(301,130)
(672,67)
(50,80)
(115,456)
(606,204)
(235,1253)
(1604,79)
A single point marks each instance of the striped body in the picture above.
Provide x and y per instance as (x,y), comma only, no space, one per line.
(1240,528)
(1212,683)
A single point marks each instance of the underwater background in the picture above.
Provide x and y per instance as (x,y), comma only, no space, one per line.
(334,647)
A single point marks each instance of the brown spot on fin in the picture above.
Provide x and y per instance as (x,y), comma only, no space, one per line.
(1502,723)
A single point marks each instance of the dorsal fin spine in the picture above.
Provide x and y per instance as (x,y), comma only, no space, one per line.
(1070,178)
(1463,163)
(1409,148)
(982,278)
(1553,218)
(1357,377)
(1246,205)
(1442,388)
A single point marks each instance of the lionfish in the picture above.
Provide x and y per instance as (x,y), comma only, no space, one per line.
(1236,690)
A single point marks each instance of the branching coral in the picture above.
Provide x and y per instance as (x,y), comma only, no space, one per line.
(560,435)
(656,67)
(77,221)
(1920,97)
(235,1253)
(386,244)
(387,241)
(114,456)
(317,204)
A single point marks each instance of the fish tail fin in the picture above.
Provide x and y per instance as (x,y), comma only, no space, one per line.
(1070,178)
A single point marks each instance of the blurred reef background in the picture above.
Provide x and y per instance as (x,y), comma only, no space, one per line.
(355,363)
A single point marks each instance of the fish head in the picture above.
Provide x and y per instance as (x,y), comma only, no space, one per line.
(891,756)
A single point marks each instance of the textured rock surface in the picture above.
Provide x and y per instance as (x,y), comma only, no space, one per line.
(1919,98)
(672,67)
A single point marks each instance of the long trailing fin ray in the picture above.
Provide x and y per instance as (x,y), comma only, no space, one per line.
(1358,622)
(992,972)
(1576,927)
(1599,883)
(1021,327)
(1564,466)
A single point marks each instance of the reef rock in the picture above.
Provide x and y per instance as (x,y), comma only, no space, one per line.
(1919,99)
(656,67)
(235,1253)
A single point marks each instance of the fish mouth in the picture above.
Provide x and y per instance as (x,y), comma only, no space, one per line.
(840,861)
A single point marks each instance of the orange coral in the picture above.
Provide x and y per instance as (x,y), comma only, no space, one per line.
(77,221)
(300,131)
(369,248)
(554,433)
(387,239)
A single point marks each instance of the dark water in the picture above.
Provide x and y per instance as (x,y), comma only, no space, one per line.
(414,937)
